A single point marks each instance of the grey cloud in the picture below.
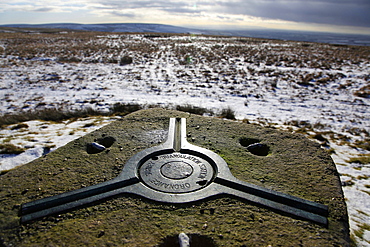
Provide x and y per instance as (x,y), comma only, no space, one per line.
(182,10)
(138,4)
(336,12)
(45,9)
(117,13)
(171,7)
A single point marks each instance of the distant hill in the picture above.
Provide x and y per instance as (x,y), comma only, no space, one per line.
(115,27)
(318,37)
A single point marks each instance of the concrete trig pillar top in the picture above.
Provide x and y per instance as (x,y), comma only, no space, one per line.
(239,202)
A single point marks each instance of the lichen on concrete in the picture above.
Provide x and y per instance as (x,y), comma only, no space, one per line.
(293,165)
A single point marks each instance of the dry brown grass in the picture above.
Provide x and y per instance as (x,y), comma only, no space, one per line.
(85,46)
(223,56)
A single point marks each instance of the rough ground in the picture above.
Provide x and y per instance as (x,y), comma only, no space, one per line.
(320,90)
(294,165)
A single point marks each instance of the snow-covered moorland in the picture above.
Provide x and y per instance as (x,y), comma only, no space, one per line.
(319,90)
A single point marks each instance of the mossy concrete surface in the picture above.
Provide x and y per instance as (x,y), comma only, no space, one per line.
(294,165)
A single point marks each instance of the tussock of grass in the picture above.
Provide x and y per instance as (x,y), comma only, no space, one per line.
(124,108)
(47,114)
(194,109)
(362,159)
(363,177)
(10,149)
(227,113)
(360,232)
(60,114)
(125,60)
(20,126)
(363,92)
(364,144)
(120,109)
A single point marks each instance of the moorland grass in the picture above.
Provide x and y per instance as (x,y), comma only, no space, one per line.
(117,109)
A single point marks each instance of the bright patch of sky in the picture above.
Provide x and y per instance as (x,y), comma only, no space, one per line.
(310,15)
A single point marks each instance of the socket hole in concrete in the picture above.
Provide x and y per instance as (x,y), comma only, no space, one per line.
(196,240)
(94,148)
(254,146)
(259,149)
(106,141)
(245,142)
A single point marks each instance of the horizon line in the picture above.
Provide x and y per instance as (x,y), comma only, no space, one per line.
(199,28)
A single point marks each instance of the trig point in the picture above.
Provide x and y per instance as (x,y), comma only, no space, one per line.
(157,174)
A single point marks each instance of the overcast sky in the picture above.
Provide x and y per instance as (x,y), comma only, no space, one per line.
(319,15)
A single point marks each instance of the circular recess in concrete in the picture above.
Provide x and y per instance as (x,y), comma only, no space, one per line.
(176,172)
